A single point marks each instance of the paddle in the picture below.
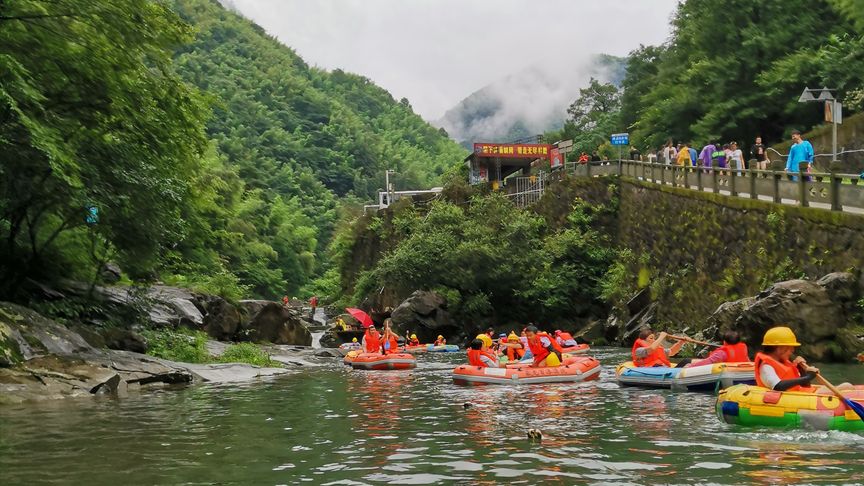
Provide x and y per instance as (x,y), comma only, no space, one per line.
(690,340)
(855,406)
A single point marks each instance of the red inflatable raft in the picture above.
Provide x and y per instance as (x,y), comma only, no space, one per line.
(420,348)
(377,361)
(574,369)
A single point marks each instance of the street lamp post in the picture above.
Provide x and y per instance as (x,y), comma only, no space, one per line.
(833,109)
(388,187)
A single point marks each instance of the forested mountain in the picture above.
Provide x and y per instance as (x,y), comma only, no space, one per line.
(208,152)
(527,102)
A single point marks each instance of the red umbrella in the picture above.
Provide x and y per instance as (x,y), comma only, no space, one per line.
(360,316)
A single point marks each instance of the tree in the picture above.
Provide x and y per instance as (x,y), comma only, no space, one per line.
(92,115)
(595,105)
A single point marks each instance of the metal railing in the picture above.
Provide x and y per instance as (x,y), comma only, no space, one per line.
(527,190)
(834,191)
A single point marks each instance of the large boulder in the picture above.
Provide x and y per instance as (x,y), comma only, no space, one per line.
(424,313)
(821,313)
(222,319)
(124,339)
(272,322)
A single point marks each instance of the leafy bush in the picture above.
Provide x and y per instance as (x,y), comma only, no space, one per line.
(182,345)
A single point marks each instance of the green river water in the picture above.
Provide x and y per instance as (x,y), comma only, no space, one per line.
(336,426)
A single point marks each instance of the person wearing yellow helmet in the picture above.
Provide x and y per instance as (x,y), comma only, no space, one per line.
(440,341)
(774,367)
(513,347)
(413,341)
(354,340)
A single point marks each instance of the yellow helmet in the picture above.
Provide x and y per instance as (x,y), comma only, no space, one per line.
(440,337)
(354,340)
(413,336)
(513,338)
(487,341)
(780,336)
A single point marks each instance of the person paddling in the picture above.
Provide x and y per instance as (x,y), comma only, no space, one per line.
(732,351)
(648,350)
(413,341)
(440,341)
(546,351)
(776,370)
(390,343)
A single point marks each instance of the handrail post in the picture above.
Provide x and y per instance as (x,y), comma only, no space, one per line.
(753,194)
(777,176)
(802,188)
(732,178)
(699,180)
(653,172)
(673,176)
(835,193)
(714,180)
(588,169)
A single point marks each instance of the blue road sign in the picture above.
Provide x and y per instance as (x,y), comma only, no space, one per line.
(620,139)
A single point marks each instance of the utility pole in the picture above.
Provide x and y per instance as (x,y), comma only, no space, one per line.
(835,112)
(388,187)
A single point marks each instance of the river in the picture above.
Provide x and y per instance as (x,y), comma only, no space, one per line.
(336,426)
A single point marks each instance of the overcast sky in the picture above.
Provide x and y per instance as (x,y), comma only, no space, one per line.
(436,52)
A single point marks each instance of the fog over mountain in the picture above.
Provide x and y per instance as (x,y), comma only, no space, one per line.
(527,102)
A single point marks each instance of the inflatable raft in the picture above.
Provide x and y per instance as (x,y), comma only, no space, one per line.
(756,406)
(377,361)
(578,349)
(697,378)
(420,348)
(574,369)
(445,348)
(349,346)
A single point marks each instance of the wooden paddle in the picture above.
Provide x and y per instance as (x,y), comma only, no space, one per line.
(855,406)
(690,340)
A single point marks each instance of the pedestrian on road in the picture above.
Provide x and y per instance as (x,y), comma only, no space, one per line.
(757,153)
(800,153)
(737,161)
(707,155)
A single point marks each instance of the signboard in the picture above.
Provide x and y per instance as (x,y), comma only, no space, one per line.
(620,139)
(557,160)
(833,112)
(512,150)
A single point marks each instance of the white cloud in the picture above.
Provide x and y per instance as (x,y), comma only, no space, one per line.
(436,52)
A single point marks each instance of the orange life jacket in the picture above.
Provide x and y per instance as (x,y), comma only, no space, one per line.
(414,342)
(440,342)
(474,357)
(373,341)
(538,351)
(514,354)
(658,357)
(785,370)
(735,353)
(394,346)
(566,336)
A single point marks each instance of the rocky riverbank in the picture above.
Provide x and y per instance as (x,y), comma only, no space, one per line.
(102,350)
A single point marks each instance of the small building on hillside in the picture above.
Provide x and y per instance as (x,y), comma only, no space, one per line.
(493,162)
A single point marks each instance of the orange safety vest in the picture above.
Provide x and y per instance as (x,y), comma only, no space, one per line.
(394,346)
(440,342)
(735,353)
(514,354)
(414,342)
(540,353)
(474,357)
(658,357)
(785,370)
(373,341)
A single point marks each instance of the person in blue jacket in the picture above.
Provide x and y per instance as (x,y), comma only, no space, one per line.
(801,151)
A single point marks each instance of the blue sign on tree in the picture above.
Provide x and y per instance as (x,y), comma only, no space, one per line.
(620,139)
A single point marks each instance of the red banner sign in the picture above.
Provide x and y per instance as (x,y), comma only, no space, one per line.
(513,150)
(555,158)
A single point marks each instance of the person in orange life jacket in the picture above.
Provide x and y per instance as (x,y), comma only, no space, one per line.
(479,354)
(732,351)
(440,341)
(512,347)
(565,339)
(390,343)
(775,369)
(371,340)
(648,350)
(544,348)
(413,341)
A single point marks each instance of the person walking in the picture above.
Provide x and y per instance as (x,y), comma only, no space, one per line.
(757,153)
(801,152)
(737,158)
(683,158)
(707,155)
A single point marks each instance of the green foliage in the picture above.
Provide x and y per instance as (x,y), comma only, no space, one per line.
(182,345)
(593,116)
(492,261)
(246,353)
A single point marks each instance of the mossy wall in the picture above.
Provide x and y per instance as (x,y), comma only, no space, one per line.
(703,249)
